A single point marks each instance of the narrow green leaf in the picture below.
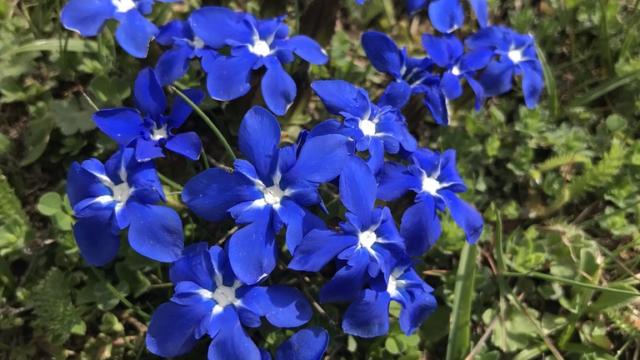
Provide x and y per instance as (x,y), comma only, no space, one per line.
(550,84)
(606,88)
(459,338)
(548,277)
(54,45)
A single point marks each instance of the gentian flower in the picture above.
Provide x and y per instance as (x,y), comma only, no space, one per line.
(306,344)
(254,44)
(411,75)
(134,33)
(107,198)
(435,180)
(173,64)
(368,316)
(448,53)
(210,300)
(376,128)
(369,242)
(150,130)
(447,16)
(267,191)
(516,56)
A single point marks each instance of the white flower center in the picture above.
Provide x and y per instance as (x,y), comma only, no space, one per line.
(394,284)
(123,6)
(197,43)
(121,192)
(430,185)
(159,133)
(367,238)
(515,56)
(456,70)
(260,48)
(367,127)
(225,295)
(273,195)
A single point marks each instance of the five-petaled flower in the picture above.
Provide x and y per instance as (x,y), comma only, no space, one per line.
(150,130)
(135,32)
(270,189)
(253,44)
(107,198)
(210,300)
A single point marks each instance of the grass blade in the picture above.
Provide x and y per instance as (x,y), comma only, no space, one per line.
(459,337)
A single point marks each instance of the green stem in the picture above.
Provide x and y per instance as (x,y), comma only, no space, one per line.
(548,277)
(207,120)
(121,297)
(170,182)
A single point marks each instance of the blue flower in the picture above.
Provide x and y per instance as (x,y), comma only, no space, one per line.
(306,344)
(210,300)
(368,244)
(269,190)
(448,53)
(253,44)
(150,130)
(447,16)
(134,33)
(173,64)
(376,128)
(516,57)
(107,198)
(435,180)
(411,75)
(368,316)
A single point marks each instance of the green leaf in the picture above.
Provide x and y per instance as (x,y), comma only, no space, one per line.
(49,204)
(38,132)
(391,345)
(108,91)
(14,226)
(72,116)
(459,338)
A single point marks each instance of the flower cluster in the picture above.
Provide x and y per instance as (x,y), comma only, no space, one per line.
(274,190)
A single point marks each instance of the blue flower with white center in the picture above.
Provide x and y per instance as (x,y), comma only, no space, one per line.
(516,57)
(412,76)
(447,16)
(368,316)
(368,244)
(173,64)
(107,198)
(149,130)
(253,44)
(435,180)
(448,53)
(269,190)
(134,33)
(306,344)
(376,128)
(210,300)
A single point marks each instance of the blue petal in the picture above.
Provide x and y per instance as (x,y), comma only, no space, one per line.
(172,329)
(252,250)
(383,53)
(308,49)
(321,159)
(86,16)
(173,64)
(98,244)
(286,307)
(122,125)
(147,150)
(415,312)
(149,95)
(306,344)
(438,50)
(396,94)
(186,144)
(155,231)
(135,33)
(212,192)
(478,90)
(496,78)
(194,266)
(278,88)
(82,184)
(481,9)
(180,110)
(420,227)
(258,139)
(339,96)
(395,181)
(358,189)
(233,343)
(216,25)
(466,216)
(446,15)
(369,316)
(435,100)
(228,78)
(416,5)
(347,283)
(451,85)
(317,248)
(476,59)
(175,29)
(532,83)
